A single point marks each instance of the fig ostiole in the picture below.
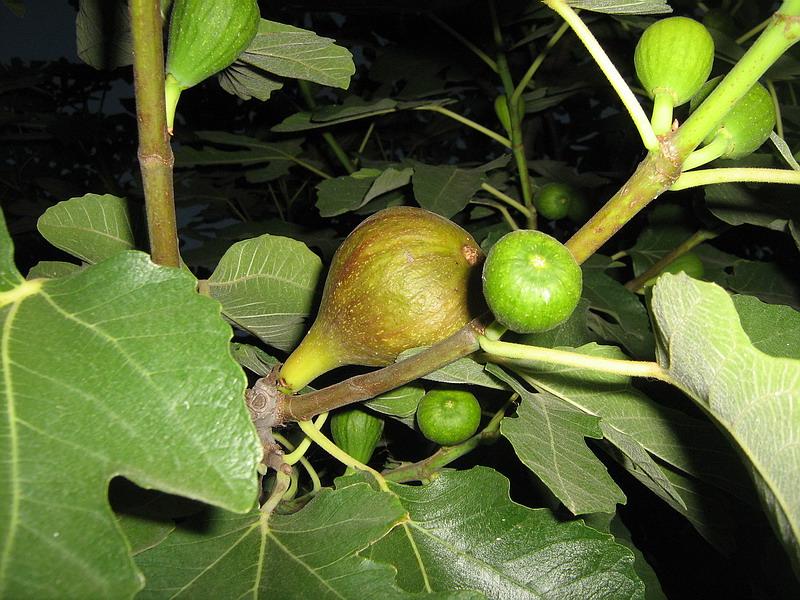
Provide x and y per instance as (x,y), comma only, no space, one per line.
(205,36)
(405,277)
(531,281)
(673,59)
(741,132)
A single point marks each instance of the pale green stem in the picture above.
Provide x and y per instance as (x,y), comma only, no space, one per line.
(661,118)
(515,118)
(718,146)
(778,118)
(573,359)
(499,207)
(626,95)
(323,442)
(313,169)
(333,143)
(746,36)
(695,239)
(312,473)
(729,175)
(468,122)
(302,447)
(282,481)
(506,198)
(494,331)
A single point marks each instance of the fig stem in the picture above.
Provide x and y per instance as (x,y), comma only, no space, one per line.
(731,174)
(614,77)
(305,89)
(574,359)
(713,150)
(507,199)
(695,239)
(155,153)
(661,117)
(326,444)
(363,387)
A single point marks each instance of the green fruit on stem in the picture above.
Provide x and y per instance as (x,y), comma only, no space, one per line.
(448,417)
(357,432)
(673,59)
(554,200)
(688,263)
(504,114)
(400,280)
(531,281)
(205,36)
(746,126)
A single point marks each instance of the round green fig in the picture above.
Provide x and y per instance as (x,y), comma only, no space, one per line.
(744,129)
(531,281)
(674,56)
(448,417)
(673,59)
(400,280)
(554,200)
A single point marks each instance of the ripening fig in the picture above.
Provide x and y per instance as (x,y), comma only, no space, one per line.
(400,280)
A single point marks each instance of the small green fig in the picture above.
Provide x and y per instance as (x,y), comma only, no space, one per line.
(400,280)
(554,200)
(356,431)
(531,281)
(744,129)
(673,59)
(205,36)
(448,417)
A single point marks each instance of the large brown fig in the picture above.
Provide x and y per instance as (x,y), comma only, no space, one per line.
(400,280)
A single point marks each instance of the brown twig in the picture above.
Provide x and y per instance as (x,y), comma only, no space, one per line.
(363,387)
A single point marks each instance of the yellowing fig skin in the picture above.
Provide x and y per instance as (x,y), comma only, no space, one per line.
(400,280)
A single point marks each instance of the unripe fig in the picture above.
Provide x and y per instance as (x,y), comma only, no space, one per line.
(448,417)
(531,281)
(554,200)
(504,114)
(688,263)
(205,36)
(746,126)
(673,59)
(400,280)
(357,432)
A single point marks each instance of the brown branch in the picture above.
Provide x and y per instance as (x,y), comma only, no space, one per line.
(363,387)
